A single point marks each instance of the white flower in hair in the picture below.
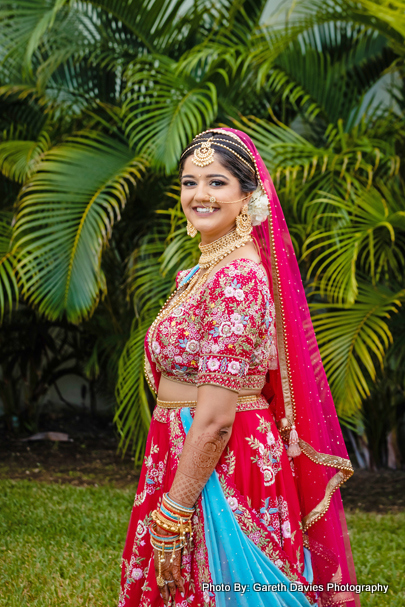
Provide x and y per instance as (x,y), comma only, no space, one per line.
(258,207)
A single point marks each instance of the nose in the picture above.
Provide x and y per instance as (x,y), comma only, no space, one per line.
(201,192)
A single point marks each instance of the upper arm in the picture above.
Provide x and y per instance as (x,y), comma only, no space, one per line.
(234,321)
(216,407)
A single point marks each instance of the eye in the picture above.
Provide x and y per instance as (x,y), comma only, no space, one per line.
(187,182)
(217,182)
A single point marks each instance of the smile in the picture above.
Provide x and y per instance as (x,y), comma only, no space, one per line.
(204,210)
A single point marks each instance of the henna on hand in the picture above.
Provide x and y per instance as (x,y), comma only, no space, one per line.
(199,457)
(169,571)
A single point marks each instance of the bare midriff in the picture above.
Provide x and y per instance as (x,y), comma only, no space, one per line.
(176,390)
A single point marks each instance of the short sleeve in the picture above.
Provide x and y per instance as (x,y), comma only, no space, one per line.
(180,275)
(233,321)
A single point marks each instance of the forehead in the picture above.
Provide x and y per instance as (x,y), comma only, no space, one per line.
(215,167)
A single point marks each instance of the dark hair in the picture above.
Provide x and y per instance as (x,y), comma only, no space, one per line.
(246,177)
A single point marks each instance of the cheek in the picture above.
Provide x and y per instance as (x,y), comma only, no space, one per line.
(185,198)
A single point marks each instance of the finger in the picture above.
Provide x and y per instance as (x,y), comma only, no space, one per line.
(178,580)
(172,587)
(165,595)
(175,576)
(164,592)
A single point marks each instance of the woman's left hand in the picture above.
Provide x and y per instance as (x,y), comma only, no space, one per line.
(171,574)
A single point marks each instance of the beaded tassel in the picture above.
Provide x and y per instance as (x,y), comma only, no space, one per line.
(294,443)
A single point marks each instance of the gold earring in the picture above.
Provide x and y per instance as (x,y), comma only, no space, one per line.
(243,222)
(191,230)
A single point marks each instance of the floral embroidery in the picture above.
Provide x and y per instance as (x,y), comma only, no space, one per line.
(275,516)
(269,454)
(234,367)
(178,311)
(231,317)
(192,346)
(176,433)
(286,529)
(233,502)
(238,329)
(136,573)
(155,348)
(132,567)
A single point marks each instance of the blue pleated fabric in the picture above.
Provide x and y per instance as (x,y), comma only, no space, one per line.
(235,559)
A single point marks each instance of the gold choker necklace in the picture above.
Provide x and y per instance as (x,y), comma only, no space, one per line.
(214,252)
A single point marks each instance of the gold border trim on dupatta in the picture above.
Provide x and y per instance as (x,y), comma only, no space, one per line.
(282,347)
(333,461)
(344,465)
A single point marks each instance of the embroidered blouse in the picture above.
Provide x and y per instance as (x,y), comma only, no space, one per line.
(222,335)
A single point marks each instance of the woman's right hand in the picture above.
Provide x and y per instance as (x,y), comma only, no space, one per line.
(170,572)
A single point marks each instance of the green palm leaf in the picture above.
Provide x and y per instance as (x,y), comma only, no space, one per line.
(133,414)
(343,159)
(65,216)
(26,22)
(164,110)
(372,231)
(155,23)
(350,339)
(8,259)
(18,158)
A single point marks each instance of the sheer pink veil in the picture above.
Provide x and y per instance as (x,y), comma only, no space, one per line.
(298,390)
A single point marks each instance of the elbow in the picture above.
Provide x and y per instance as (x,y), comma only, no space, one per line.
(221,425)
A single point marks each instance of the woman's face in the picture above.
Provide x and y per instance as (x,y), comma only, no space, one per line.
(198,184)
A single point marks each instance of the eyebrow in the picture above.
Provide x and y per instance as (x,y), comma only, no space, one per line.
(209,176)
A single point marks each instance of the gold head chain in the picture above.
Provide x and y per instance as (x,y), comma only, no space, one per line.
(204,153)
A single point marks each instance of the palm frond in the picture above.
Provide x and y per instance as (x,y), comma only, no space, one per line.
(343,160)
(155,23)
(18,157)
(65,216)
(351,339)
(24,24)
(372,233)
(8,260)
(164,111)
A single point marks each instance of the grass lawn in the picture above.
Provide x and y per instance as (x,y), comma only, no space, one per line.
(61,546)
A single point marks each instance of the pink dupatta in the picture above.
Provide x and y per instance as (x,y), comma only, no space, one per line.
(302,395)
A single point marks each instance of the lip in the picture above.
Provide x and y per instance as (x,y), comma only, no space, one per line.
(202,207)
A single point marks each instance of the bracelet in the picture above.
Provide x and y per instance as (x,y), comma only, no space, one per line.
(163,538)
(169,501)
(157,518)
(176,519)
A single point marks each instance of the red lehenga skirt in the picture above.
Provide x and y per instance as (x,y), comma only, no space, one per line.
(257,479)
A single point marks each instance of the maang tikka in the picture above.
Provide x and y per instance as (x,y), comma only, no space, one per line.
(204,154)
